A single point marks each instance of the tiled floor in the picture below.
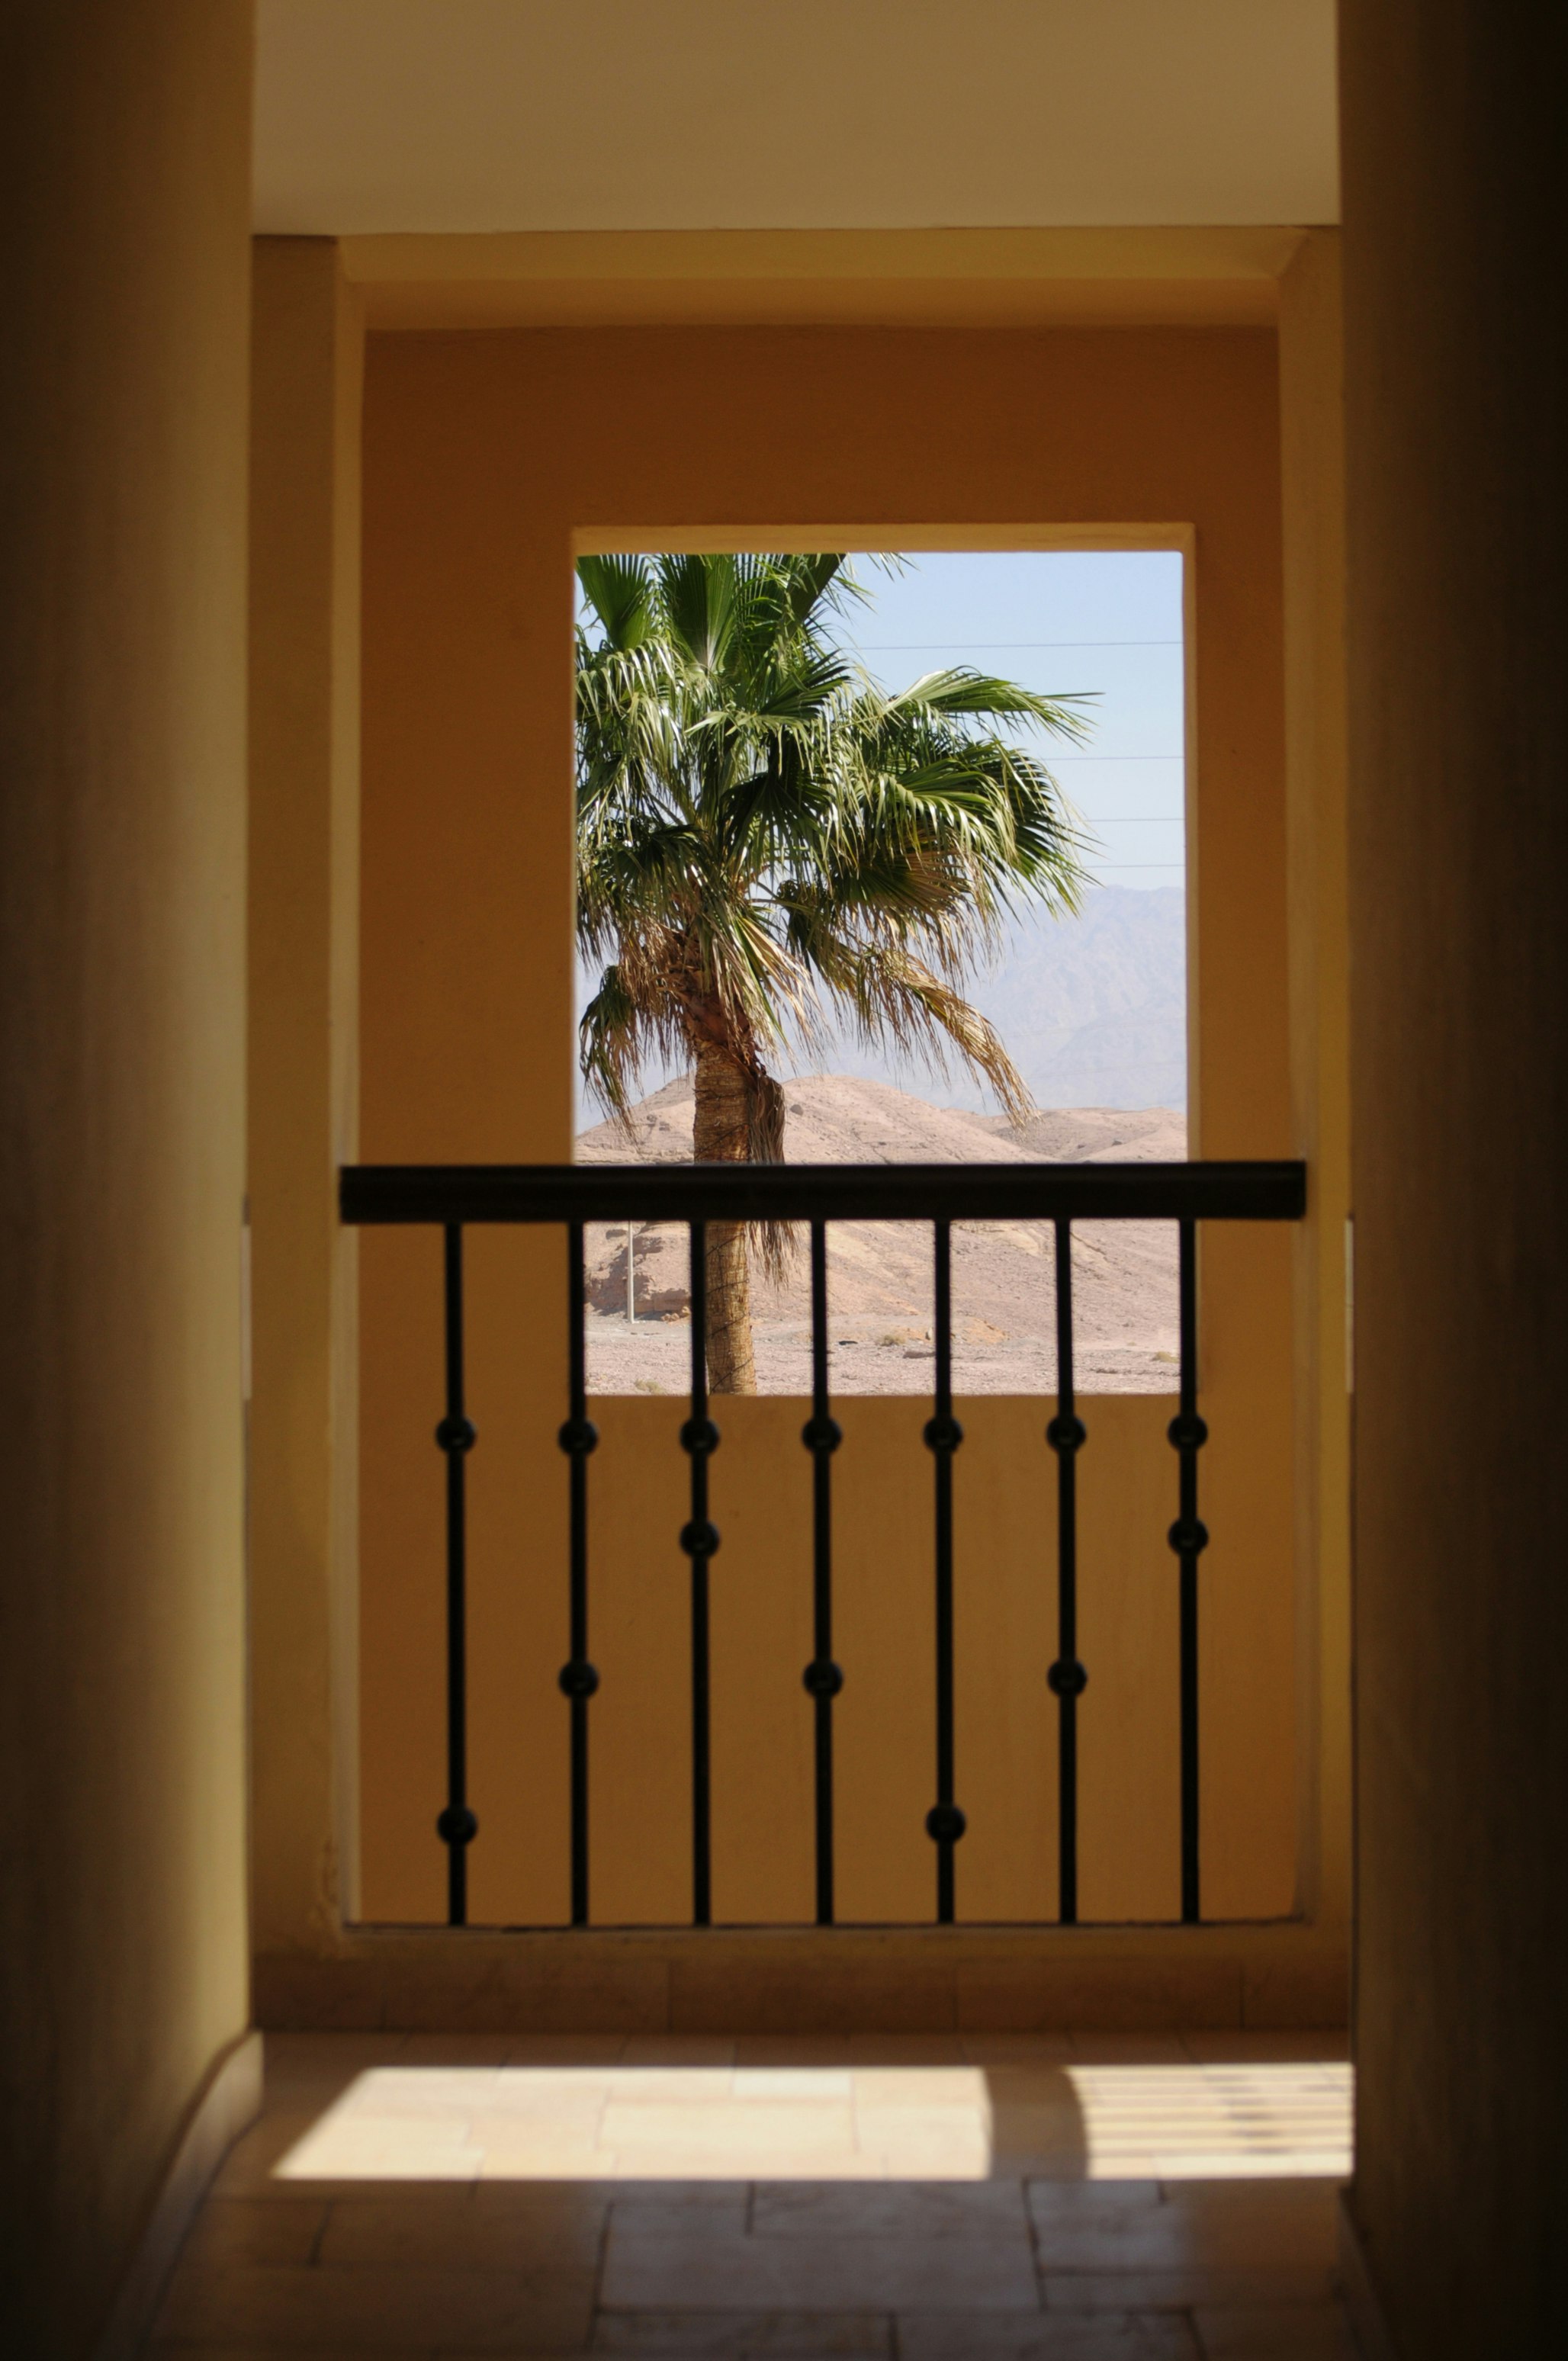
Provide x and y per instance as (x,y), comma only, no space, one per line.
(1007,2198)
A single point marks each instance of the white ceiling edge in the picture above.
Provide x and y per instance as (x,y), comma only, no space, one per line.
(464,116)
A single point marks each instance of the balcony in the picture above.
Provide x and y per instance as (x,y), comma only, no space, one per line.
(455,1199)
(354,1887)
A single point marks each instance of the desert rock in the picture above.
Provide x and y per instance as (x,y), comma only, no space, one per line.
(880,1292)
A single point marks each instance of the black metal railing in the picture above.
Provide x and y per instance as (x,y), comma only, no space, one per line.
(452,1197)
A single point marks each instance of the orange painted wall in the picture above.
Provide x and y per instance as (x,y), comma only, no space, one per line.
(485,452)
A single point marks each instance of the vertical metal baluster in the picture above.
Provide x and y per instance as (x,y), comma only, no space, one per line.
(699,1539)
(456,1827)
(822,1435)
(945,1823)
(578,1679)
(1066,1676)
(1189,1538)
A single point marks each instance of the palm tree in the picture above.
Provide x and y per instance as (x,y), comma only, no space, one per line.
(761,829)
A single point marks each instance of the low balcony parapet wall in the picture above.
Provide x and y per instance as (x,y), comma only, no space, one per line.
(810,1980)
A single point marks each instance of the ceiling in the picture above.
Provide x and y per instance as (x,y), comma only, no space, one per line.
(474,115)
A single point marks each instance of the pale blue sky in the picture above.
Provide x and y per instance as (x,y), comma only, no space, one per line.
(1098,620)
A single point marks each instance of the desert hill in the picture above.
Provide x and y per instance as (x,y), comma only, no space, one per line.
(879,1272)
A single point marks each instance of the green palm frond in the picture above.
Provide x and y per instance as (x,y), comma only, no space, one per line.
(961,690)
(619,591)
(764,834)
(610,1034)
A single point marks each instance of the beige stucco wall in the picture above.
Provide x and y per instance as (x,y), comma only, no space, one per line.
(483,453)
(124,197)
(303,1061)
(1456,373)
(1311,395)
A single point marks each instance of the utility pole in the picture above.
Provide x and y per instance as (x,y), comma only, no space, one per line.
(631,1276)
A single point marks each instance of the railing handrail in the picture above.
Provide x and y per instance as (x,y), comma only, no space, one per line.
(1235,1191)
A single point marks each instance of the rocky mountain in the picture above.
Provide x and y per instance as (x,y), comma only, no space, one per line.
(1093,1009)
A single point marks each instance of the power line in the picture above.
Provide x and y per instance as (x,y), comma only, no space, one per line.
(976,647)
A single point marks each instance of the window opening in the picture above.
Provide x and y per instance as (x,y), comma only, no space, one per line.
(1090,1009)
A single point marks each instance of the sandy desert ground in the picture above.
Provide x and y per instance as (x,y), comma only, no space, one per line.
(879,1293)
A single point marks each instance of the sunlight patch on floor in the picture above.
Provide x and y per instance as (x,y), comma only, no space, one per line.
(830,2123)
(1215,2123)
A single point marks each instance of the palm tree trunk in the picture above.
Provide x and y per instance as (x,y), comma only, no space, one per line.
(721,1134)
